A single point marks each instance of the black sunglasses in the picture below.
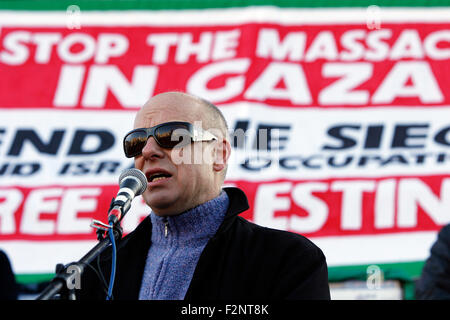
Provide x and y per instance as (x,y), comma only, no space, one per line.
(168,135)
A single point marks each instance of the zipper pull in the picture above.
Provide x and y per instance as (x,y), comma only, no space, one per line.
(166,228)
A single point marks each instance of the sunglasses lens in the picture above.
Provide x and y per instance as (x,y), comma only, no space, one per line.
(169,135)
(134,143)
(173,135)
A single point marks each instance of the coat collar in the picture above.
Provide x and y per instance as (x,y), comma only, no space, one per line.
(238,202)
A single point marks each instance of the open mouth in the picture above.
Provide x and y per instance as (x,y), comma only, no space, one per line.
(158,176)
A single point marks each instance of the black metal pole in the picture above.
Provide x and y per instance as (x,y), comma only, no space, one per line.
(63,278)
(53,288)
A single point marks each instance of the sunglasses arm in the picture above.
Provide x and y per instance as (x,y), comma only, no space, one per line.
(203,135)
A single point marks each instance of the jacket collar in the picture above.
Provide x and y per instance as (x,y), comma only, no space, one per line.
(192,225)
(238,202)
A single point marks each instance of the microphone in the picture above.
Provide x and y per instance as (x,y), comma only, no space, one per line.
(133,183)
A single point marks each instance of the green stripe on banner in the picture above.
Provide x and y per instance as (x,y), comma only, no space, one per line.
(402,271)
(34,278)
(203,4)
(406,273)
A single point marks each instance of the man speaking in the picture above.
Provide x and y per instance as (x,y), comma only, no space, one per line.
(193,245)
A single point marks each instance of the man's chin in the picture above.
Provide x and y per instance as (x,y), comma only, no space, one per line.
(160,202)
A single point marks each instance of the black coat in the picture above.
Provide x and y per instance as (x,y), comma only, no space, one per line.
(242,261)
(434,282)
(8,285)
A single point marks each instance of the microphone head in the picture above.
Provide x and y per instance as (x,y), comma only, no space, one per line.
(138,175)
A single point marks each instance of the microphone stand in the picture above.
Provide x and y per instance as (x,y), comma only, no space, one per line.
(67,277)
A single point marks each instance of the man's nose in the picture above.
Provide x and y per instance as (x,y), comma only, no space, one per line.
(152,149)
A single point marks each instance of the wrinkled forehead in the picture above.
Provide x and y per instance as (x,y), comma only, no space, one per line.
(170,107)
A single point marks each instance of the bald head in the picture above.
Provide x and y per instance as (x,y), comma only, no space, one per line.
(187,106)
(215,117)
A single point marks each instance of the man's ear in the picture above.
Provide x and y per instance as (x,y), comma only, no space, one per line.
(222,154)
